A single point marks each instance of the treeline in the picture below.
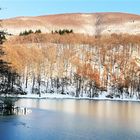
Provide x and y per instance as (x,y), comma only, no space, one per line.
(29,32)
(76,64)
(62,32)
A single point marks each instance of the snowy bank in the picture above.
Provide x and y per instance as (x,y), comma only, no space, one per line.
(61,96)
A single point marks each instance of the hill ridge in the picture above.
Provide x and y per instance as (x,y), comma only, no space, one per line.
(86,23)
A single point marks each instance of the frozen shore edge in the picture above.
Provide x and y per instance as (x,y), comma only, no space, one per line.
(56,96)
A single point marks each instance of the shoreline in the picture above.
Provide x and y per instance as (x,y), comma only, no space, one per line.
(66,97)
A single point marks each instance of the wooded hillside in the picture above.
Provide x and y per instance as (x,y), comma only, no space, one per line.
(77,64)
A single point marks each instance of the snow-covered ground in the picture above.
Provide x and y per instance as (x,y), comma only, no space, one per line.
(61,96)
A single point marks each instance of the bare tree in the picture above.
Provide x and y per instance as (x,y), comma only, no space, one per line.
(98,25)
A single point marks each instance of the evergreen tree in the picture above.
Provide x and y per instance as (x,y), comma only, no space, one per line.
(8,77)
(8,81)
(62,32)
(38,31)
(26,33)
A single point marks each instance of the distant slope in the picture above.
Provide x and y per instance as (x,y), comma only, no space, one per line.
(97,23)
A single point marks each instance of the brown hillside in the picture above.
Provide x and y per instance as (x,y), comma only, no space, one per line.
(107,23)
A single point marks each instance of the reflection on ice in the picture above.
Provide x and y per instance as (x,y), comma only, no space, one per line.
(14,111)
(22,111)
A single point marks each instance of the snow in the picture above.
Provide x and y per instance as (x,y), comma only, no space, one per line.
(61,96)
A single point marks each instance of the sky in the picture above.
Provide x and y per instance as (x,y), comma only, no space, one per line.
(14,8)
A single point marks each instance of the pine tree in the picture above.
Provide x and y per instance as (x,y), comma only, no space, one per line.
(8,81)
(8,77)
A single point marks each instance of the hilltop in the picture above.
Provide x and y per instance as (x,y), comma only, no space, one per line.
(92,24)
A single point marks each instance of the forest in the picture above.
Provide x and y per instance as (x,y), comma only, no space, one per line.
(76,64)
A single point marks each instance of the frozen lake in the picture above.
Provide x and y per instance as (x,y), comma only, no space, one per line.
(55,119)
